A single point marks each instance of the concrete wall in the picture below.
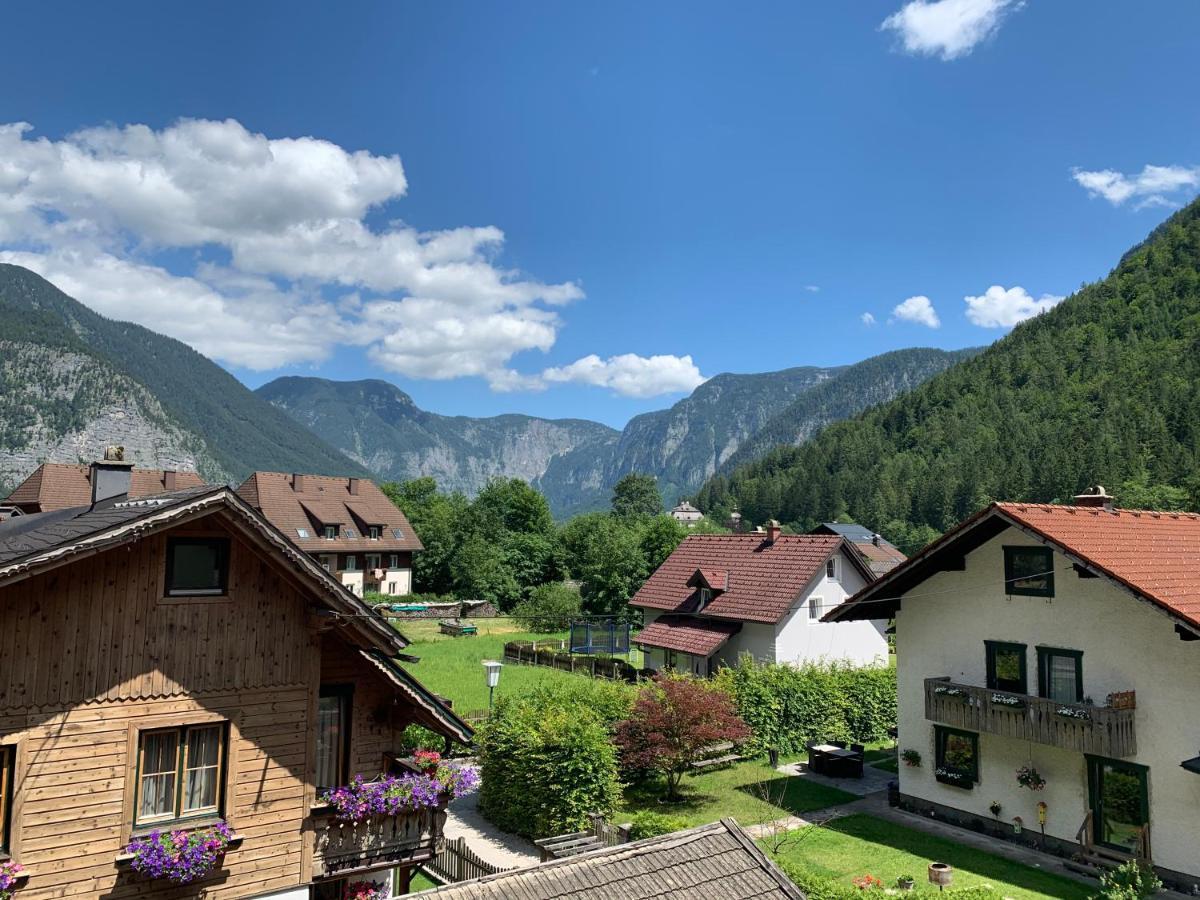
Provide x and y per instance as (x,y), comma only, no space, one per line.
(800,638)
(1126,644)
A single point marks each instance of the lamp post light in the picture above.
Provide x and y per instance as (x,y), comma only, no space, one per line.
(492,669)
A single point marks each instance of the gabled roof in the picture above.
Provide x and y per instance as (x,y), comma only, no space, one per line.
(35,543)
(688,634)
(713,579)
(882,555)
(1153,555)
(54,486)
(764,577)
(321,500)
(718,861)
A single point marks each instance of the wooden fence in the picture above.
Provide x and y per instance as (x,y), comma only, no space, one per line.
(458,862)
(553,654)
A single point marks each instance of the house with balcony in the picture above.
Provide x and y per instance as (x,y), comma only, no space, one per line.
(1047,678)
(347,524)
(719,596)
(175,661)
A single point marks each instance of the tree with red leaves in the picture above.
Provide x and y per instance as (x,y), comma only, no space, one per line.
(673,722)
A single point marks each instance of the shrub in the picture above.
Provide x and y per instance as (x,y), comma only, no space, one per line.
(549,608)
(788,706)
(651,824)
(547,763)
(1129,881)
(672,724)
(821,887)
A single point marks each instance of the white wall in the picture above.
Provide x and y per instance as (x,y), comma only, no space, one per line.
(1126,644)
(402,578)
(800,638)
(353,579)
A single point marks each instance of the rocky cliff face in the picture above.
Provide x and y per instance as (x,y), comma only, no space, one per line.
(378,425)
(67,407)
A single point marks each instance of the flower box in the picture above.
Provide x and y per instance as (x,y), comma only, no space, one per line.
(948,691)
(955,778)
(393,795)
(1008,701)
(1074,712)
(180,856)
(12,876)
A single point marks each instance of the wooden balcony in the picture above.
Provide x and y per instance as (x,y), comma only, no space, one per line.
(1099,730)
(343,848)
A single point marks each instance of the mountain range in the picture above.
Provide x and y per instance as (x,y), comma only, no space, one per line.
(1103,388)
(73,382)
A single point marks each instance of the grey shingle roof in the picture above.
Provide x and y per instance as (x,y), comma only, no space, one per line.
(712,862)
(24,536)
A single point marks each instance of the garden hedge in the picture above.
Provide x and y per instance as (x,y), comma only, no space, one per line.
(547,760)
(787,706)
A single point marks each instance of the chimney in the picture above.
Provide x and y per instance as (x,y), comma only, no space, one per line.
(773,531)
(170,482)
(1096,498)
(297,482)
(353,487)
(111,476)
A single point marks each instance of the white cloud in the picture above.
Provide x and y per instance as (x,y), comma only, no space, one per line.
(867,318)
(631,375)
(1000,307)
(812,288)
(1150,186)
(948,29)
(917,309)
(258,251)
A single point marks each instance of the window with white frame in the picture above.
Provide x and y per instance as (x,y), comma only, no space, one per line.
(394,561)
(815,607)
(831,568)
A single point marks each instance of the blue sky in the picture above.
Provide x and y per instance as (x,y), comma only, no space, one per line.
(737,184)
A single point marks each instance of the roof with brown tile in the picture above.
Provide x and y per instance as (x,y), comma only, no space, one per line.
(349,503)
(764,578)
(687,634)
(1156,555)
(54,486)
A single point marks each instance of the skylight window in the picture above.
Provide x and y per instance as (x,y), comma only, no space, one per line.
(397,533)
(302,533)
(349,533)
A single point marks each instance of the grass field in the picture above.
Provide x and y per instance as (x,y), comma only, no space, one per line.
(751,792)
(453,666)
(859,844)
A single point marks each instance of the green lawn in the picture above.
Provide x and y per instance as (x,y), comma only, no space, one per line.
(859,844)
(751,792)
(453,666)
(421,882)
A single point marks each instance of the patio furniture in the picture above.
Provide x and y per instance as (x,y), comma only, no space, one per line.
(834,761)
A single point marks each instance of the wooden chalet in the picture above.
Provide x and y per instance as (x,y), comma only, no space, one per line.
(172,661)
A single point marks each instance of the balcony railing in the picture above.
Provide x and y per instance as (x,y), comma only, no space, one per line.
(1100,730)
(343,848)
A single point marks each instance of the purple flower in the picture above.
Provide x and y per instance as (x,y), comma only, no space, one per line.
(392,795)
(9,873)
(179,856)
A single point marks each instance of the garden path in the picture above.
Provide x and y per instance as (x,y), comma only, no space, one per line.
(497,847)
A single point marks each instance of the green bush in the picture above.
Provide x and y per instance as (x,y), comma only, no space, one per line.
(787,706)
(821,887)
(547,760)
(548,608)
(1129,881)
(652,824)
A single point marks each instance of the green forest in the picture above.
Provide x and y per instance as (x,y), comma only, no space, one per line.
(1104,388)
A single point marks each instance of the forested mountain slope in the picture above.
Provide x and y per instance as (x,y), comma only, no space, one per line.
(1103,388)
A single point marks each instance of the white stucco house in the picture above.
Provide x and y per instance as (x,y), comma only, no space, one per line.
(686,514)
(1063,640)
(719,596)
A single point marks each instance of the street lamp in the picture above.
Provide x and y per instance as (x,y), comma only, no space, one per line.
(492,669)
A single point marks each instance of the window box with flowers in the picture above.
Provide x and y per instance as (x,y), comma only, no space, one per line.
(179,856)
(1008,701)
(12,876)
(367,890)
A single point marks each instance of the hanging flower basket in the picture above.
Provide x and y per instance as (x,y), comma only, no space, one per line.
(10,874)
(180,857)
(389,796)
(1029,777)
(954,778)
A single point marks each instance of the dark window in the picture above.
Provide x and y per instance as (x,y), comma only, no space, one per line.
(957,753)
(6,777)
(1060,674)
(330,532)
(197,567)
(394,561)
(814,607)
(180,773)
(373,560)
(333,736)
(374,532)
(351,563)
(1006,667)
(705,598)
(831,568)
(669,658)
(1029,571)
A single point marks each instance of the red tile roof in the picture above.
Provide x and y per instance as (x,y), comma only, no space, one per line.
(764,578)
(699,637)
(1156,555)
(54,486)
(717,579)
(323,500)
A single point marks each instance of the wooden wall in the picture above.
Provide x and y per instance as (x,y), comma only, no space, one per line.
(91,652)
